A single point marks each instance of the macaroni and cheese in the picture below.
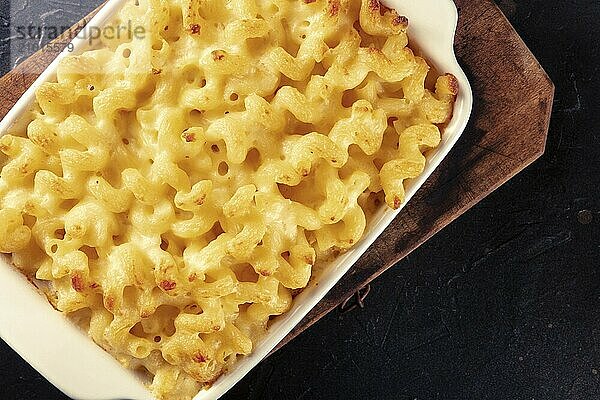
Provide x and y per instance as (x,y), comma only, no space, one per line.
(173,191)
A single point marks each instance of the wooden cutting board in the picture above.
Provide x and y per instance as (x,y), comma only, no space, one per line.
(507,132)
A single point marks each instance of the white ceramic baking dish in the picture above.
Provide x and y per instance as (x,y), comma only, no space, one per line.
(82,370)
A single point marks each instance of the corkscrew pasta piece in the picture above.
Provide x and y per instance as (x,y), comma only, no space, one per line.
(174,189)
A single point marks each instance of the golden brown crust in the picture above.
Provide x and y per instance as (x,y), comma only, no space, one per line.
(452,84)
(397,202)
(218,55)
(377,19)
(189,136)
(200,200)
(109,303)
(334,7)
(167,285)
(400,20)
(77,283)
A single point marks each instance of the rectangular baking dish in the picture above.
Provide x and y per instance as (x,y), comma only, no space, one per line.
(81,369)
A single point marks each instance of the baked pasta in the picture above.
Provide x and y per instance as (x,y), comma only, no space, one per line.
(170,193)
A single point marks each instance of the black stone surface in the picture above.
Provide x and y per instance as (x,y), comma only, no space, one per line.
(502,304)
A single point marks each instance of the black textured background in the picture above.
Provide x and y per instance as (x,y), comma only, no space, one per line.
(502,304)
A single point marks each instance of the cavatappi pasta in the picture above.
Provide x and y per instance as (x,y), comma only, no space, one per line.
(173,190)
